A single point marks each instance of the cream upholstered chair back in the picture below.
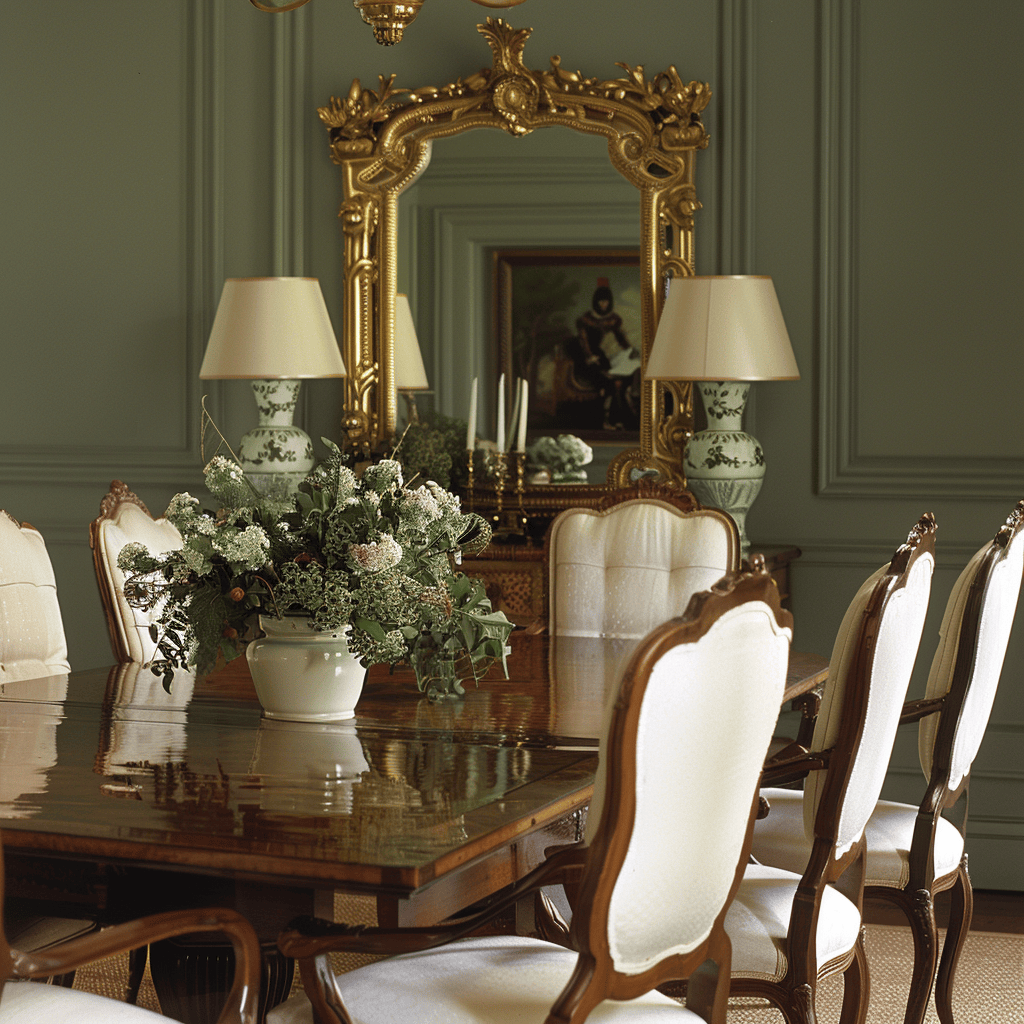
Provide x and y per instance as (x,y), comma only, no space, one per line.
(124,519)
(620,571)
(869,673)
(968,661)
(32,640)
(681,758)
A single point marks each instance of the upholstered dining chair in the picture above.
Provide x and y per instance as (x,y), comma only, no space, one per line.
(913,852)
(124,518)
(32,640)
(663,852)
(633,562)
(791,928)
(22,1000)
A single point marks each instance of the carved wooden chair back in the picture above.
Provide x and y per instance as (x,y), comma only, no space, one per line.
(811,845)
(124,519)
(869,673)
(694,713)
(620,569)
(915,852)
(662,870)
(967,664)
(32,642)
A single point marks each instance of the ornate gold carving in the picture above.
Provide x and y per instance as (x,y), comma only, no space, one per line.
(388,18)
(382,141)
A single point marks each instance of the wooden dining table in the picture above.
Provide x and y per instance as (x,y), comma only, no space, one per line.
(123,799)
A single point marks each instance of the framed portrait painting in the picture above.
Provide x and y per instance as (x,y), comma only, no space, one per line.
(568,322)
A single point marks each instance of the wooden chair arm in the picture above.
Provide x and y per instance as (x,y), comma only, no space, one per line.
(780,771)
(242,1000)
(915,710)
(308,937)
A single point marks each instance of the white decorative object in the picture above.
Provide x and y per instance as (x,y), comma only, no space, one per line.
(302,674)
(274,331)
(523,410)
(471,425)
(500,440)
(723,330)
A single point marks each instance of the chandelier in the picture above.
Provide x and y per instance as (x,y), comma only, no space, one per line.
(387,17)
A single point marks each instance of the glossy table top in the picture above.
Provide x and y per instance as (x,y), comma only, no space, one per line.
(105,764)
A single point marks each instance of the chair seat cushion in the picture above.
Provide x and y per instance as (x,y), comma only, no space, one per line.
(779,839)
(758,919)
(29,1002)
(889,834)
(494,980)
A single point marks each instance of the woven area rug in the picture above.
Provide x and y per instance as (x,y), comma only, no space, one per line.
(989,985)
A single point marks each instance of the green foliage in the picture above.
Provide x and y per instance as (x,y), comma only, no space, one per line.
(434,449)
(370,552)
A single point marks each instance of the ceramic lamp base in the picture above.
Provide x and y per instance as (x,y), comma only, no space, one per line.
(724,465)
(276,455)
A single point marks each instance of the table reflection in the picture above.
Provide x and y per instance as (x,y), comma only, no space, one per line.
(28,741)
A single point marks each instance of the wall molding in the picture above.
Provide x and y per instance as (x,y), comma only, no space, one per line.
(292,102)
(202,164)
(842,470)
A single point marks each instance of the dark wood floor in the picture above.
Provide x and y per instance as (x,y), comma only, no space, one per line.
(993,911)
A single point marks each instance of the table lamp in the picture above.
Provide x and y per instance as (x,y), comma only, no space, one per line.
(410,374)
(274,331)
(722,332)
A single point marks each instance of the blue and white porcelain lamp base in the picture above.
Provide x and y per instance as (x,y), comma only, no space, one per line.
(276,455)
(724,465)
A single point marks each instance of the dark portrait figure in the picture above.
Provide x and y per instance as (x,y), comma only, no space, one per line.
(605,362)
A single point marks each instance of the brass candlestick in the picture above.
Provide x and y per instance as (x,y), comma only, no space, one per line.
(500,472)
(469,477)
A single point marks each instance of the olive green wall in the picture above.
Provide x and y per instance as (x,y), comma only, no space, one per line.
(866,155)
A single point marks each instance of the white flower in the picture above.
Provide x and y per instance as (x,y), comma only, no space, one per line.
(247,549)
(383,475)
(376,556)
(419,507)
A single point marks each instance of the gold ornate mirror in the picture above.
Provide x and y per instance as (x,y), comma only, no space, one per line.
(382,141)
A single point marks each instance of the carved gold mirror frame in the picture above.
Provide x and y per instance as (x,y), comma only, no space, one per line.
(382,141)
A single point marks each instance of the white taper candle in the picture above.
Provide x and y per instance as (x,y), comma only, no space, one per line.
(471,425)
(501,413)
(523,405)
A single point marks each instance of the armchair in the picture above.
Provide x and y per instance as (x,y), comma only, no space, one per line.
(32,641)
(21,1000)
(791,928)
(124,518)
(913,853)
(621,569)
(654,872)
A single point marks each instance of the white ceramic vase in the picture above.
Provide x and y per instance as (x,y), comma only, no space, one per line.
(303,675)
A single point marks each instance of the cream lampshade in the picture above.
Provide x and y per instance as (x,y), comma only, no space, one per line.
(410,373)
(274,331)
(723,332)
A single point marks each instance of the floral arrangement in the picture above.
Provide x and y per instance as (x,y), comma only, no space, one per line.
(369,552)
(565,457)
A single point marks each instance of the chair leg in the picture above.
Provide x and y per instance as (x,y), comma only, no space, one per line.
(856,987)
(921,914)
(136,971)
(960,911)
